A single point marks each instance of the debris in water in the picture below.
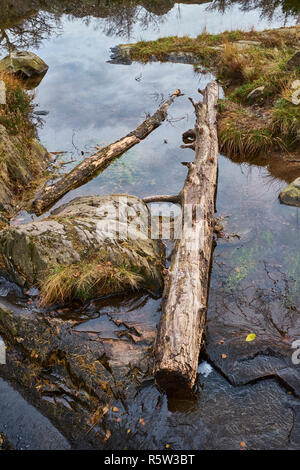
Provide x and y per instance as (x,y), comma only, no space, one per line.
(205,369)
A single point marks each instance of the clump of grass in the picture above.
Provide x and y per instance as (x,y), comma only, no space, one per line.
(83,281)
(241,132)
(245,133)
(98,276)
(16,114)
(286,122)
(233,64)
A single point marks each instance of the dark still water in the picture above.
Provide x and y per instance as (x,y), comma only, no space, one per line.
(255,285)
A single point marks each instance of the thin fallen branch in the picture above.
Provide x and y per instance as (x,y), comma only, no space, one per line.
(99,161)
(185,296)
(175,198)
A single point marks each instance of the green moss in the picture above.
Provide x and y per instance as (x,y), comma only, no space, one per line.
(293,274)
(245,259)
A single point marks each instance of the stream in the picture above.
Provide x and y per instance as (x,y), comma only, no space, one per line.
(246,391)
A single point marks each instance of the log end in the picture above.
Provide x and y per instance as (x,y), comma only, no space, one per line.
(174,384)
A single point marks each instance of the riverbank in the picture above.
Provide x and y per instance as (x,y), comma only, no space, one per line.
(258,72)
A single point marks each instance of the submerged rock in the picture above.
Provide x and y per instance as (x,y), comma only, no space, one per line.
(23,63)
(291,194)
(92,246)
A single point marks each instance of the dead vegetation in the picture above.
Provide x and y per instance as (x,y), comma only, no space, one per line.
(101,274)
(22,158)
(16,114)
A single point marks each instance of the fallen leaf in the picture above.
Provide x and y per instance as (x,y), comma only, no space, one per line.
(224,356)
(221,341)
(115,409)
(142,421)
(128,431)
(251,337)
(243,444)
(168,446)
(107,435)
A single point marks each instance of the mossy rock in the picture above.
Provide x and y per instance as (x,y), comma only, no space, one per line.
(291,194)
(92,246)
(23,63)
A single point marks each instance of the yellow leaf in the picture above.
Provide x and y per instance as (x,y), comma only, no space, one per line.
(107,435)
(251,337)
(168,446)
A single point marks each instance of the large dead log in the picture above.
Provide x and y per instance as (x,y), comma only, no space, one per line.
(185,296)
(99,161)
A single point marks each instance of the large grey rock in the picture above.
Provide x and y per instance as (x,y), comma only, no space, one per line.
(291,194)
(100,229)
(25,63)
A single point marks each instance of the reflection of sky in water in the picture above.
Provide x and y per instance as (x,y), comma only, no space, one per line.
(100,101)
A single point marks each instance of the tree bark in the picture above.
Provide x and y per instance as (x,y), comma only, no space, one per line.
(185,296)
(99,161)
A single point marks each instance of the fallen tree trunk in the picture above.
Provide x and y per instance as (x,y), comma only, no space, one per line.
(99,161)
(185,296)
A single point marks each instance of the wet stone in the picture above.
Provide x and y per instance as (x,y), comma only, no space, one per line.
(257,310)
(26,63)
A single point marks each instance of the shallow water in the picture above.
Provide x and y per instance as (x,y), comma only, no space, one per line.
(255,283)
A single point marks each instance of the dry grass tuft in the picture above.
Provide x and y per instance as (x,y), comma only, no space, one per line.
(16,114)
(112,270)
(65,283)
